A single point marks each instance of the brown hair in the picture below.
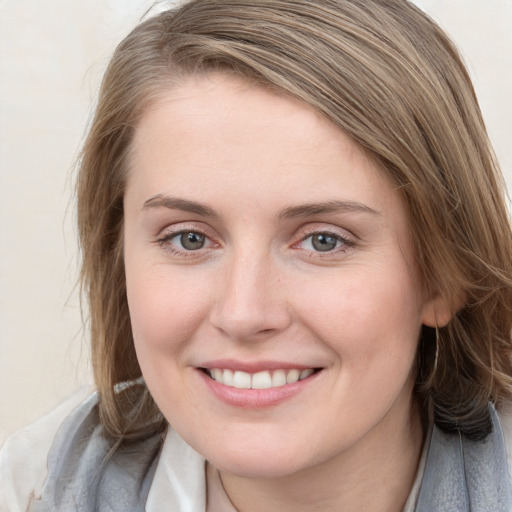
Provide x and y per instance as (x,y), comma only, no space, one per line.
(388,76)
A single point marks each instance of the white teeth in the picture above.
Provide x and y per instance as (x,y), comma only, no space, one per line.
(242,380)
(304,374)
(228,378)
(292,376)
(260,380)
(278,378)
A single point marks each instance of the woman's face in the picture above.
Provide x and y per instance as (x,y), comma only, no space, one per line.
(262,246)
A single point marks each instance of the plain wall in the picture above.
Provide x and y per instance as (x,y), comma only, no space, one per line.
(52,55)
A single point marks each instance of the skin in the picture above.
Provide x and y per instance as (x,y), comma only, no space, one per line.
(259,290)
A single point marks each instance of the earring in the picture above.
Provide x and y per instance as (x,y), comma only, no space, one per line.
(437,352)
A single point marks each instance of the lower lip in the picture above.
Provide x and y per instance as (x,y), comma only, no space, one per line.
(256,398)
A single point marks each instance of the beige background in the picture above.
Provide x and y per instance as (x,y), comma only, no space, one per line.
(52,54)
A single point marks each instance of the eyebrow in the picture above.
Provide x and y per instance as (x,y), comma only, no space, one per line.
(176,203)
(306,210)
(303,210)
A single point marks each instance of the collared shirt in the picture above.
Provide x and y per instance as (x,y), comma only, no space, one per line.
(183,481)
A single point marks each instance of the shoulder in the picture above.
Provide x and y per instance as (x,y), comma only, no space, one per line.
(23,457)
(505,416)
(67,461)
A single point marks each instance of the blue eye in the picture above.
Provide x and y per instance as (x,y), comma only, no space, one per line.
(190,240)
(323,242)
(184,242)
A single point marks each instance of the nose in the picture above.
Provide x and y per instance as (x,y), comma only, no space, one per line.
(251,302)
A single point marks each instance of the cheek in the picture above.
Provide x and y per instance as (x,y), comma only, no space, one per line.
(165,310)
(164,320)
(367,318)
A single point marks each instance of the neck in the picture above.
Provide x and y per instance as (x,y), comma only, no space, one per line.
(375,475)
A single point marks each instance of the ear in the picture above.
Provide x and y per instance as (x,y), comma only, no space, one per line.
(437,312)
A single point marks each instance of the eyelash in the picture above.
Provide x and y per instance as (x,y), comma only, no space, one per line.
(343,242)
(165,242)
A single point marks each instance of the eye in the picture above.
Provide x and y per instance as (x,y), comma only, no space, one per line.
(190,241)
(184,242)
(324,242)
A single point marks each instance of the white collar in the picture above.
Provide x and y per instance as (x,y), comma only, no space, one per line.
(179,480)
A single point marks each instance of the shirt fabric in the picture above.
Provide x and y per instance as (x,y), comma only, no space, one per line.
(192,485)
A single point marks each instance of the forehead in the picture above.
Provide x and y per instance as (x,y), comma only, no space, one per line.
(215,137)
(230,110)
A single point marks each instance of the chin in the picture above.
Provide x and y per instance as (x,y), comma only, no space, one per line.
(258,465)
(262,457)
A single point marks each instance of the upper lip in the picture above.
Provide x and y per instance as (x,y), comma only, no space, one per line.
(253,366)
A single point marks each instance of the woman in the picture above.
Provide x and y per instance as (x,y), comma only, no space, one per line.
(297,257)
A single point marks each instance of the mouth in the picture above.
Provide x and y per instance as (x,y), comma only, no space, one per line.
(259,380)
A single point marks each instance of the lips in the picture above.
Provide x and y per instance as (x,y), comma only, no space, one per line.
(260,380)
(256,384)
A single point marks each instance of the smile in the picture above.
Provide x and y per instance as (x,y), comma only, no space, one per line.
(260,380)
